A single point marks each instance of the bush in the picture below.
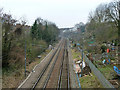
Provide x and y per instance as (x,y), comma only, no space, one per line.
(103,48)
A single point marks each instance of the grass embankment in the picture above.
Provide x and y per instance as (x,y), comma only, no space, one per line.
(107,71)
(87,81)
(90,81)
(13,77)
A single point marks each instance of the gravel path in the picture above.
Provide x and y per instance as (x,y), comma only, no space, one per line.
(73,78)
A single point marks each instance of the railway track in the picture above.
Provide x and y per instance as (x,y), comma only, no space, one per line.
(63,81)
(56,73)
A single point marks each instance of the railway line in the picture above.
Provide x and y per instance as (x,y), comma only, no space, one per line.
(42,79)
(64,81)
(55,74)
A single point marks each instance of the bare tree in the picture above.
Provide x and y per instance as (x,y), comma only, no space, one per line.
(112,12)
(100,13)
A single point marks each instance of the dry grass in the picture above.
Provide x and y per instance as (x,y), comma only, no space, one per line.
(90,82)
(14,79)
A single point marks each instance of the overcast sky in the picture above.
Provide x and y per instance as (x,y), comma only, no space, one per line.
(65,13)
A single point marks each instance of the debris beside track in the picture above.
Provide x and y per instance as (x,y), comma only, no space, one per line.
(88,80)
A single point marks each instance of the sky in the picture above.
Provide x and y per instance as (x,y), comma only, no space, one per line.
(64,13)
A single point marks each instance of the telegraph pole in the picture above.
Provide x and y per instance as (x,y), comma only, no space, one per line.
(82,53)
(82,60)
(25,56)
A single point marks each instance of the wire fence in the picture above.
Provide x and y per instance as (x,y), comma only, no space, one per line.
(98,74)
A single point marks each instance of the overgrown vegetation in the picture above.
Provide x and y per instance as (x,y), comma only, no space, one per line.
(104,21)
(101,30)
(16,35)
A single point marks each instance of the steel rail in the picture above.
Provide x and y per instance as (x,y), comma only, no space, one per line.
(61,68)
(43,71)
(46,82)
(68,77)
(65,54)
